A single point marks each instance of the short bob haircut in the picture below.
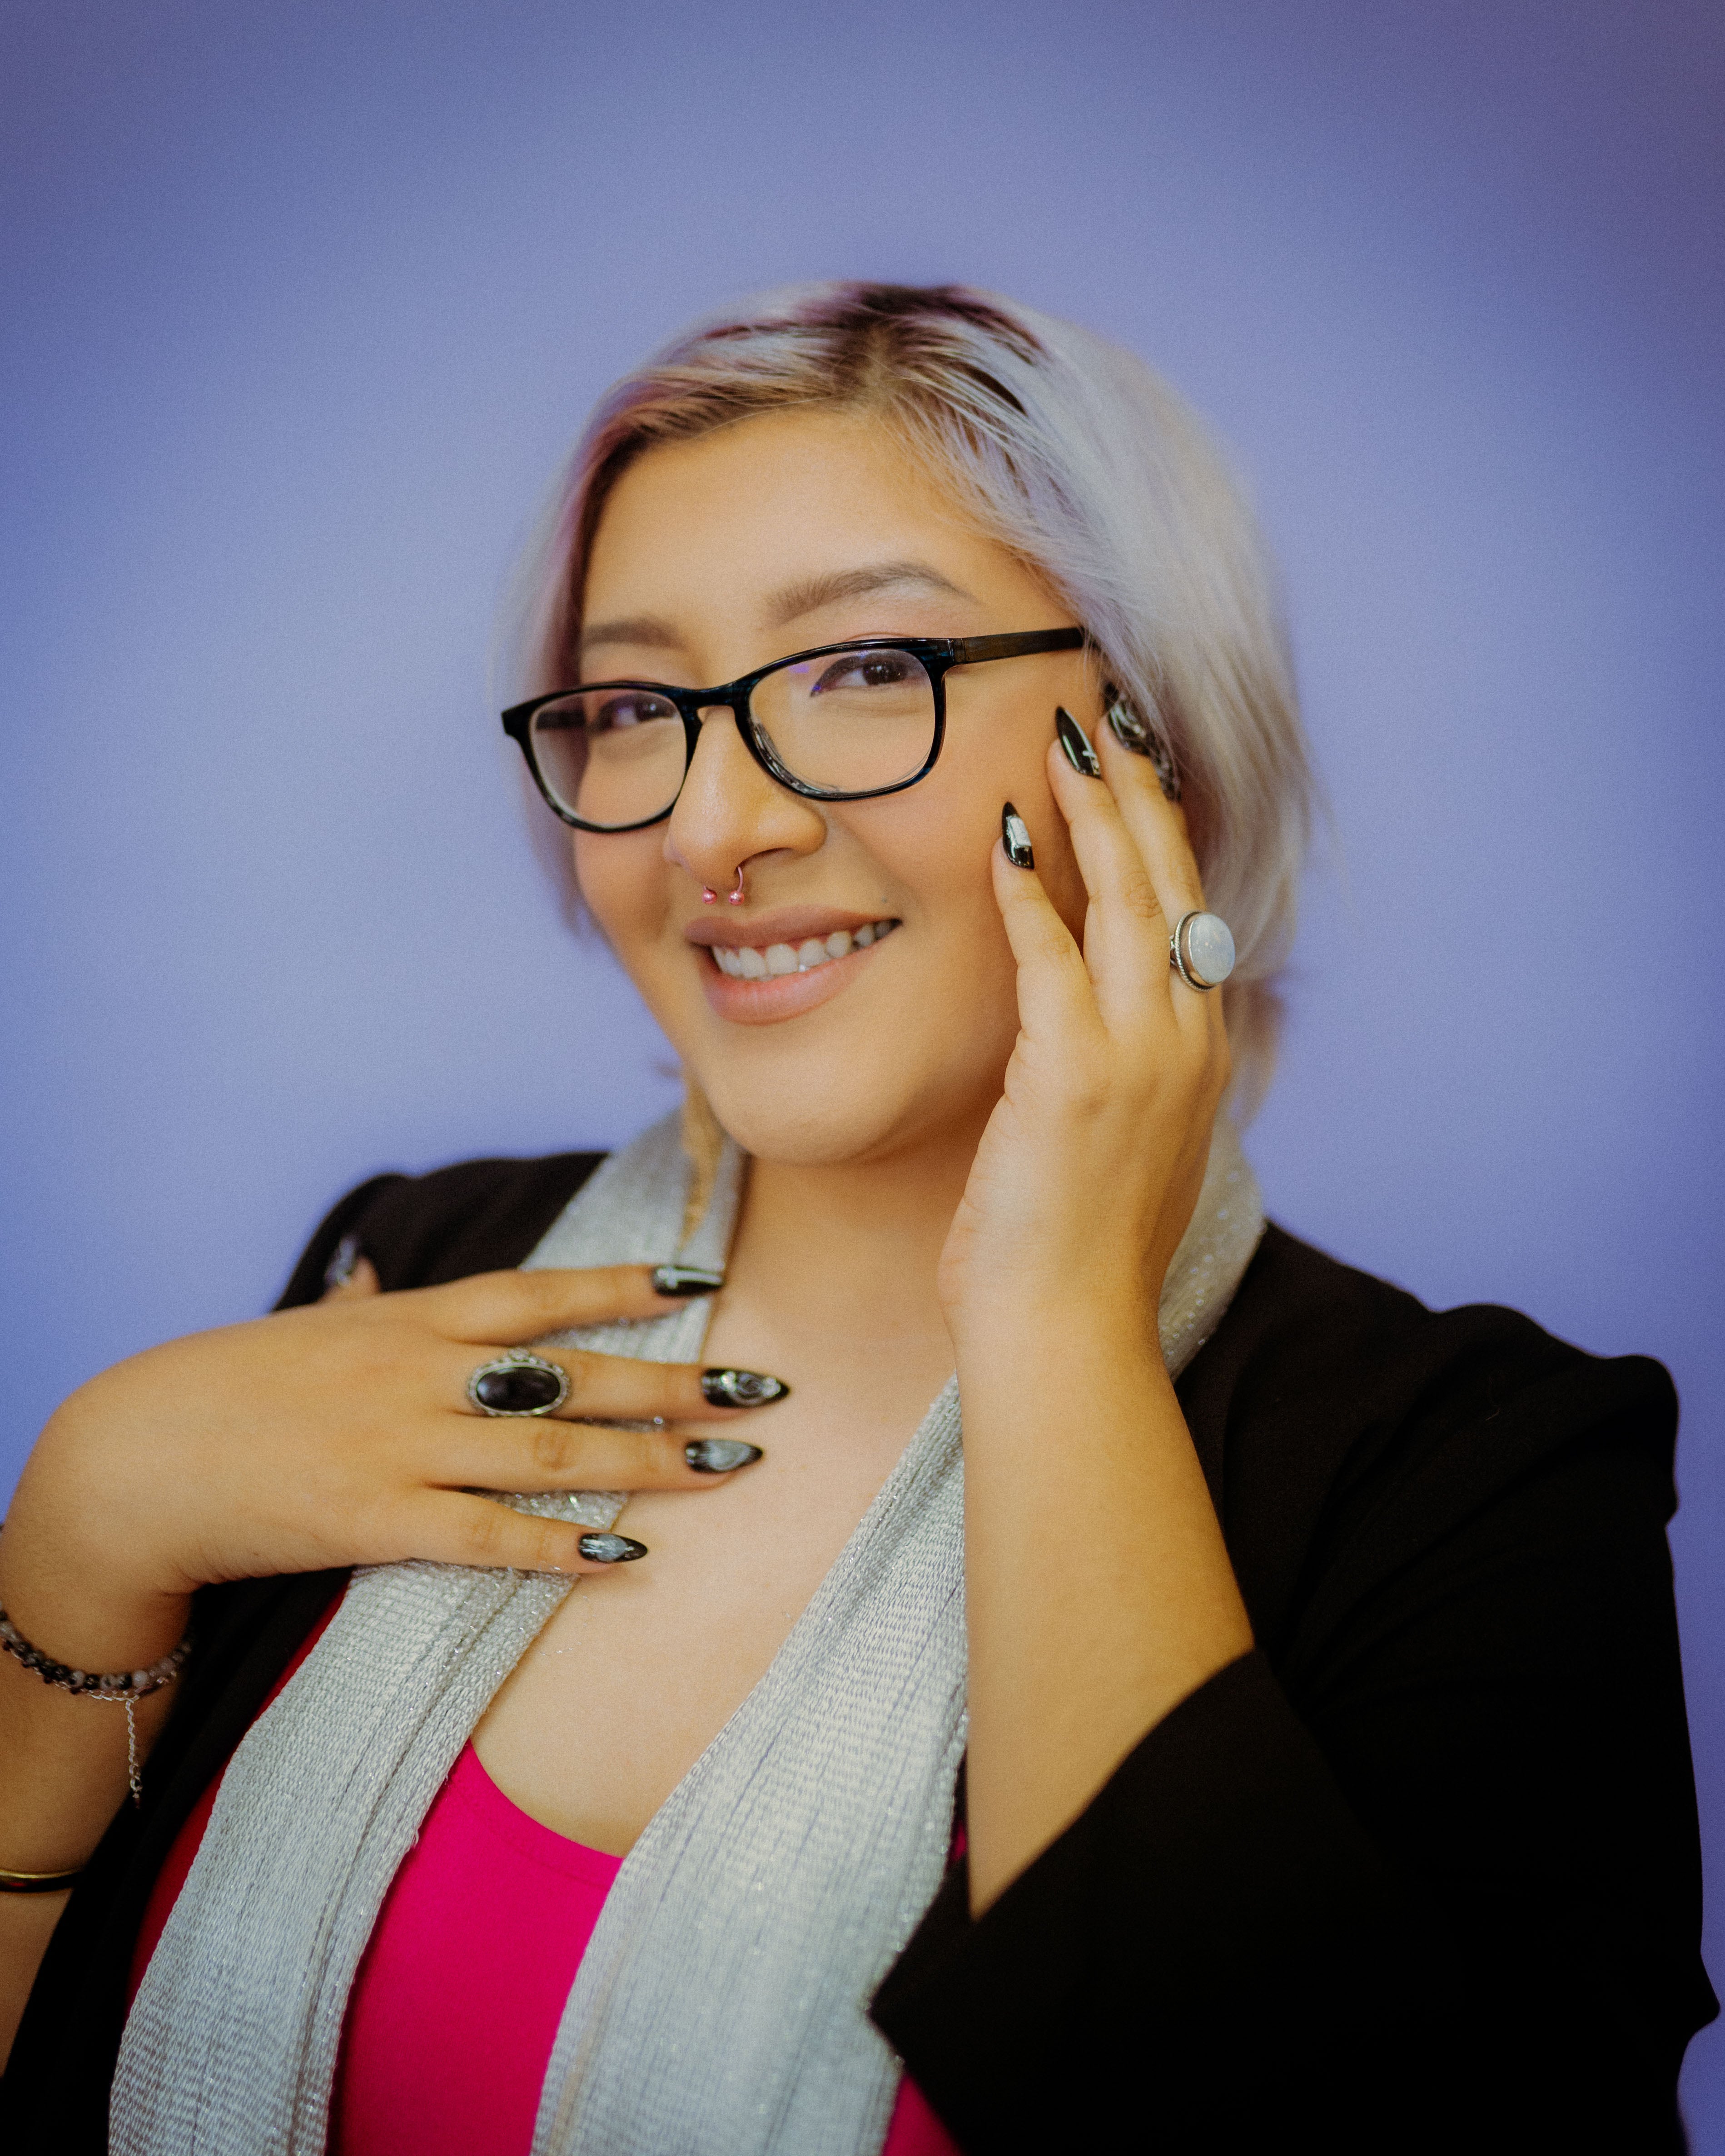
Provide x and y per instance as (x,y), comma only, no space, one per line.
(1070,452)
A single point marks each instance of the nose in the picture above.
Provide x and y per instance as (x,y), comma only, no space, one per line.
(730,813)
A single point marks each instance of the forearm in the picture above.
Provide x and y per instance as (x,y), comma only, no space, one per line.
(1099,1591)
(63,1773)
(63,1756)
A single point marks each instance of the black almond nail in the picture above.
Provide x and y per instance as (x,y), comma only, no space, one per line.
(1015,838)
(719,1455)
(685,1280)
(1130,729)
(740,1389)
(1075,742)
(610,1549)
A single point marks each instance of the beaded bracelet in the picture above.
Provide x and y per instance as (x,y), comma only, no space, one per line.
(127,1687)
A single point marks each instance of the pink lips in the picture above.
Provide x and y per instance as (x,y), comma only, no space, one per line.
(783,995)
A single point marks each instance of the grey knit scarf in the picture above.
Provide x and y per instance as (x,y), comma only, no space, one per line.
(720,2009)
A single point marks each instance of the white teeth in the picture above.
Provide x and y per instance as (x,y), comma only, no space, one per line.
(745,963)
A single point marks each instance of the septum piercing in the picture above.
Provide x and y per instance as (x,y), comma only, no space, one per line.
(708,895)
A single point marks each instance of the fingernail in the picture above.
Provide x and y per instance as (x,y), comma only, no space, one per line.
(718,1455)
(685,1280)
(1073,739)
(610,1549)
(1130,731)
(1015,837)
(740,1389)
(343,1264)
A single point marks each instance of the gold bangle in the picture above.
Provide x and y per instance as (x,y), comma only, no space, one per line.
(37,1882)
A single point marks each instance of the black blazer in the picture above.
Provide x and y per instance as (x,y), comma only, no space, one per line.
(1421,1871)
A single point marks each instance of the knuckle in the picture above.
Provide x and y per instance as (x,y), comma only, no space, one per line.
(544,1293)
(1137,896)
(649,1457)
(540,1546)
(554,1446)
(489,1532)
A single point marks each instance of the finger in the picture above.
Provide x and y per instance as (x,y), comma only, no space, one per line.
(1159,828)
(452,1528)
(539,1453)
(1054,987)
(1127,925)
(516,1307)
(610,1387)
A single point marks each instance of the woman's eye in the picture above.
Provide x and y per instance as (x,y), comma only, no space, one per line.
(868,669)
(613,714)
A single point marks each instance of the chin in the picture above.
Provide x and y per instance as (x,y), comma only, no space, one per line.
(804,1127)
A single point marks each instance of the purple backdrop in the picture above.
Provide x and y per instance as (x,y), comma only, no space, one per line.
(300,307)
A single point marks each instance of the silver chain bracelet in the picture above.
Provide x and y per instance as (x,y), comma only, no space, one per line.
(127,1687)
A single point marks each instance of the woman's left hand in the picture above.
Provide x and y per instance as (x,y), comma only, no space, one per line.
(1098,1588)
(1091,1165)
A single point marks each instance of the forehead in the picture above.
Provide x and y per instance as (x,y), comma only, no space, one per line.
(740,519)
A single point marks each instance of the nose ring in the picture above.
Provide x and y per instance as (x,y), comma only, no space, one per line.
(708,895)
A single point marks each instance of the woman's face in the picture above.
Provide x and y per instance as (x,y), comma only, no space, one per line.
(714,557)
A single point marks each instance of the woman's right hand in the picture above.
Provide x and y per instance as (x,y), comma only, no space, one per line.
(336,1435)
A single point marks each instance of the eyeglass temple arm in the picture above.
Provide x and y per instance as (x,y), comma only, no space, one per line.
(969,649)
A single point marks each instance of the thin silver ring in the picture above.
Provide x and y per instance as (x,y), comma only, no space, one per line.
(1179,951)
(519,1358)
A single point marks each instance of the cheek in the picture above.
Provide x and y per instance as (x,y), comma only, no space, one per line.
(624,883)
(948,827)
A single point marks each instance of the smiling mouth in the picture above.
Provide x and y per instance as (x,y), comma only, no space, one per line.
(749,961)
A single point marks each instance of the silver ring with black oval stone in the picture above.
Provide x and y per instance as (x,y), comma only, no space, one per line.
(1201,949)
(518,1383)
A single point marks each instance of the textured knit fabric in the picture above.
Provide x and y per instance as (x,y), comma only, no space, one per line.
(721,2008)
(1428,1856)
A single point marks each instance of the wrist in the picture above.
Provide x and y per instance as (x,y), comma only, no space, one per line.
(1027,1321)
(78,1608)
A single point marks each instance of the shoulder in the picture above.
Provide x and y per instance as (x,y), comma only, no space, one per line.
(1333,1410)
(475,1216)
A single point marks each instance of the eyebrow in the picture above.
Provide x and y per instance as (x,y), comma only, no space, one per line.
(790,602)
(809,594)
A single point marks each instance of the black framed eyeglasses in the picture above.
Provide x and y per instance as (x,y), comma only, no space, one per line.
(843,723)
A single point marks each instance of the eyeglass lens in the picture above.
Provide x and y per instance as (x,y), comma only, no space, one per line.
(845,721)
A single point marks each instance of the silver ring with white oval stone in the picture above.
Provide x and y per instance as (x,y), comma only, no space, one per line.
(518,1383)
(1201,949)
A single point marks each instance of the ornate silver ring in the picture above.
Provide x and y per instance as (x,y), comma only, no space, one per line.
(1201,949)
(518,1383)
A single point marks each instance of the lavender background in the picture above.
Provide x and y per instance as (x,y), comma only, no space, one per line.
(299,307)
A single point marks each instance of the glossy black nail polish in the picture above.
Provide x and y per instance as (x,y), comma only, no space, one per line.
(1130,729)
(685,1280)
(740,1389)
(343,1264)
(1075,742)
(719,1455)
(1015,838)
(610,1549)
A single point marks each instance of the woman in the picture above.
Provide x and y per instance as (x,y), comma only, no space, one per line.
(1273,1727)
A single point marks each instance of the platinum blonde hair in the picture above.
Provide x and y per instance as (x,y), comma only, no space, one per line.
(1069,451)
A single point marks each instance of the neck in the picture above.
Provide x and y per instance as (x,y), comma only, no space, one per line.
(851,1249)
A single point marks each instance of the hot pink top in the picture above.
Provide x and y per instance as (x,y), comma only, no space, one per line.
(456,2005)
